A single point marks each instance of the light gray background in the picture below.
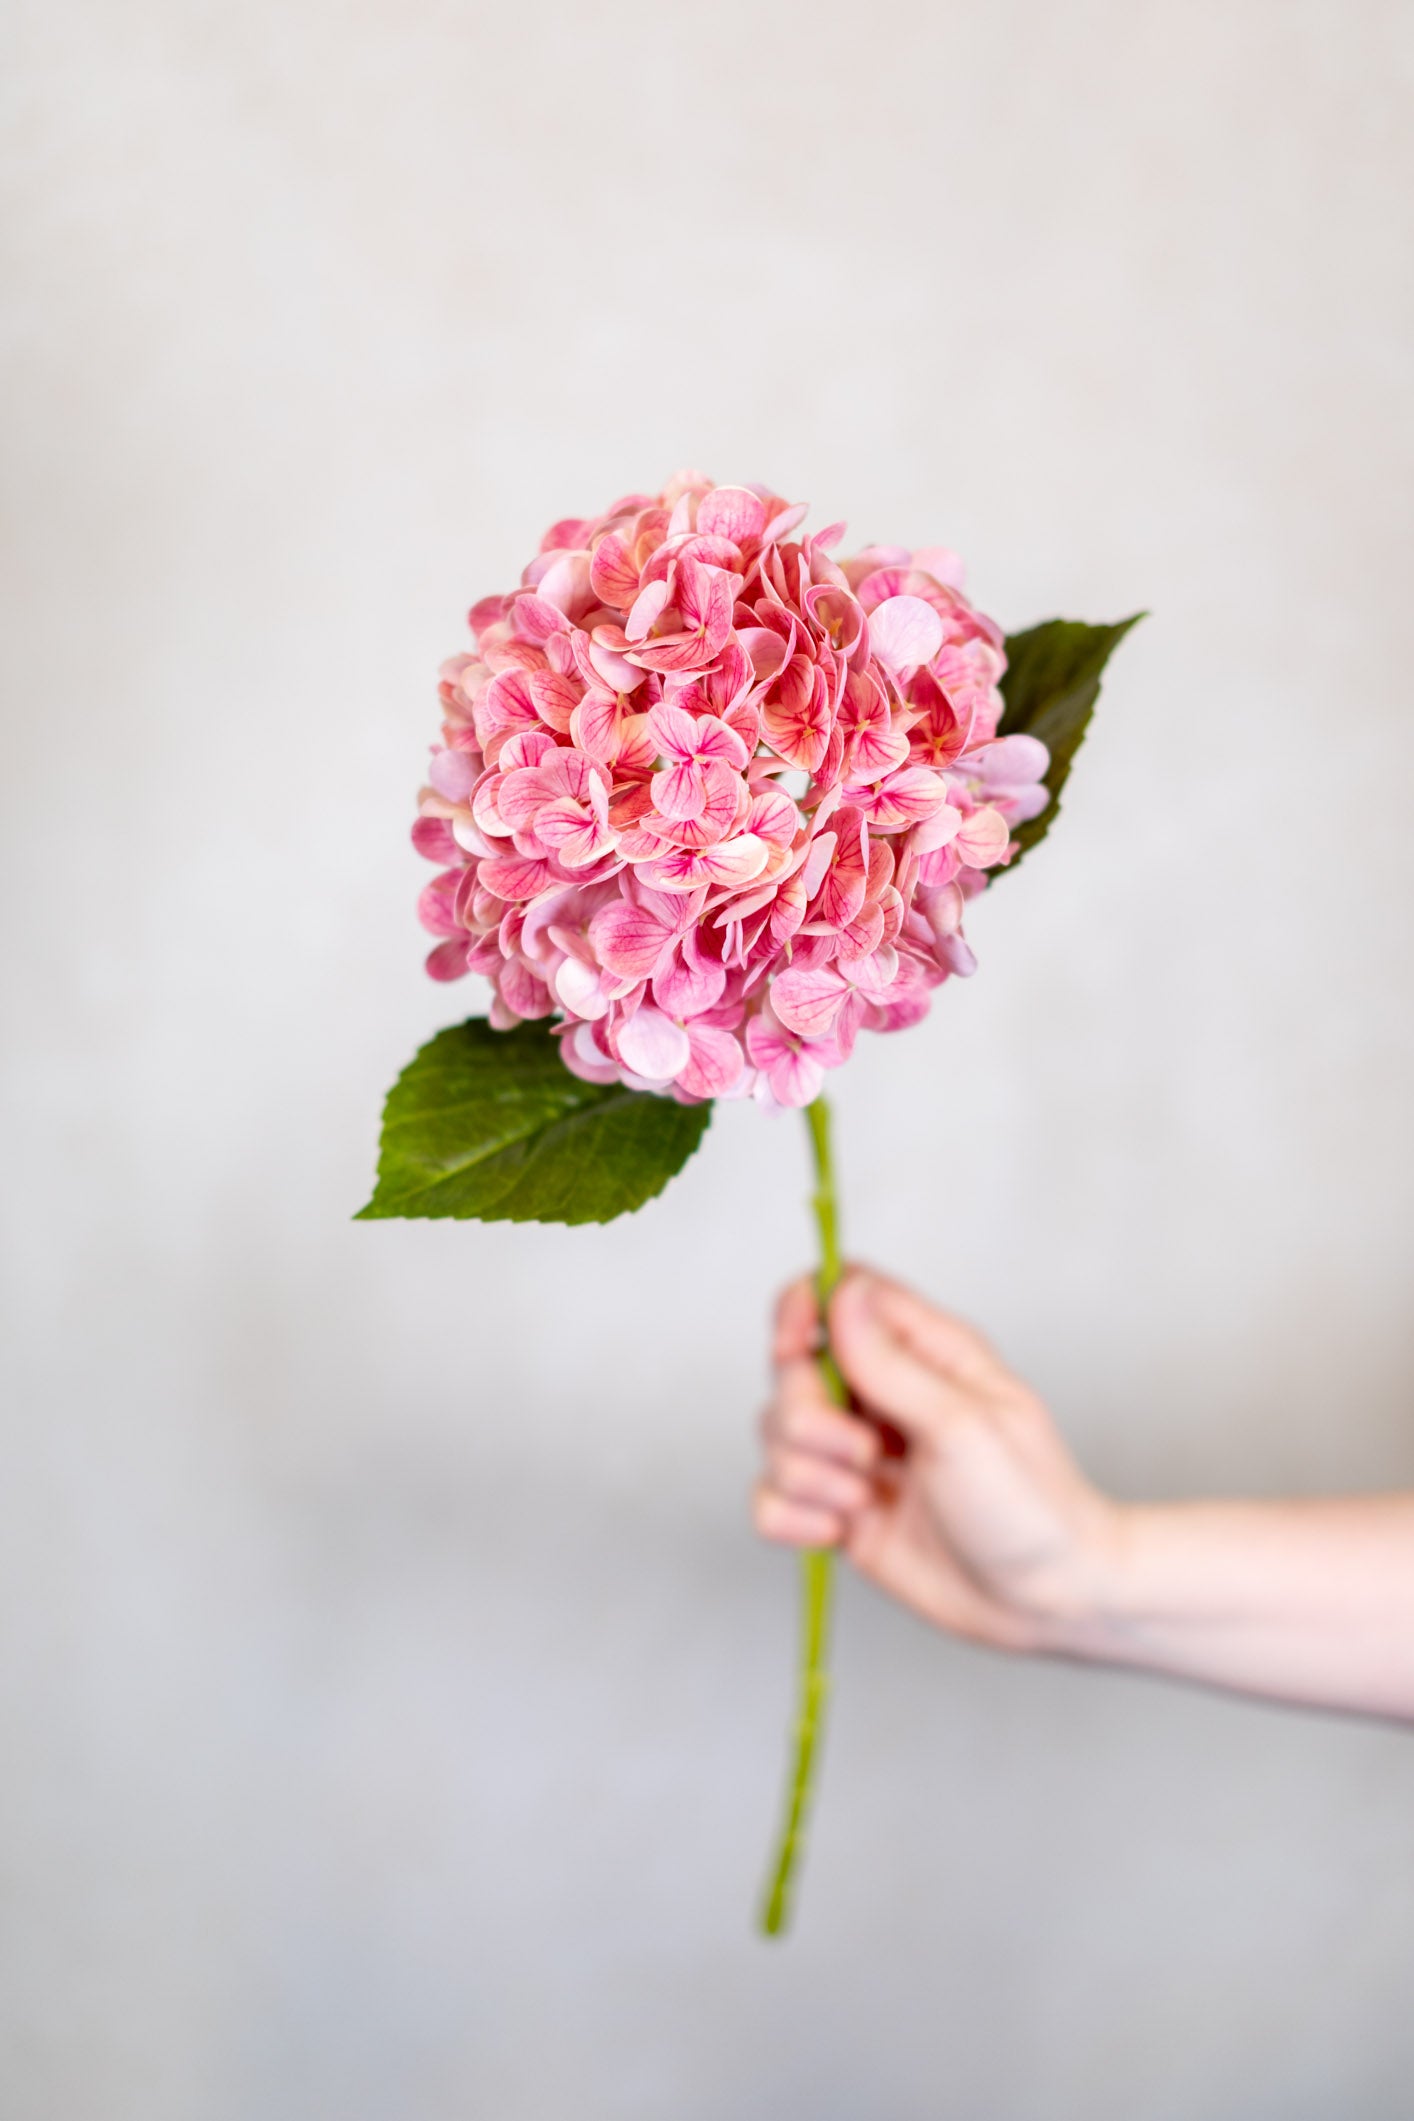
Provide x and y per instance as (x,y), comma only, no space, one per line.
(394,1694)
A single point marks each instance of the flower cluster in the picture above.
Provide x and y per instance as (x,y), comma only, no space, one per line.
(714,800)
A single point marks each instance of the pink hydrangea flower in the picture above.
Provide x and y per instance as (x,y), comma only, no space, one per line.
(714,801)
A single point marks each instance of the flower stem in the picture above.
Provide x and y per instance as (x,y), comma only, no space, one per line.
(817,1568)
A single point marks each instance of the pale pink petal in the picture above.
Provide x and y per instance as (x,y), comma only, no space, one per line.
(1007,761)
(942,910)
(653,1046)
(647,606)
(577,989)
(565,583)
(786,519)
(735,861)
(452,774)
(613,669)
(955,952)
(795,1074)
(938,830)
(941,563)
(904,632)
(983,838)
(817,862)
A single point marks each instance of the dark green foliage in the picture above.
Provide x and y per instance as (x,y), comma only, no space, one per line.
(1050,688)
(492,1125)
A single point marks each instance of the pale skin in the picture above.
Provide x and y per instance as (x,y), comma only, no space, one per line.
(974,1514)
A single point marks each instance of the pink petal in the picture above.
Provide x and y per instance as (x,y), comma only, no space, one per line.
(774,817)
(653,1046)
(436,905)
(818,860)
(724,807)
(555,697)
(674,732)
(767,649)
(717,740)
(983,838)
(628,940)
(647,606)
(941,563)
(612,669)
(904,632)
(687,983)
(595,726)
(695,584)
(680,791)
(583,1056)
(715,1062)
(808,1001)
(577,988)
(612,572)
(432,837)
(535,618)
(735,861)
(786,520)
(514,877)
(448,960)
(524,991)
(1008,761)
(452,774)
(731,512)
(565,583)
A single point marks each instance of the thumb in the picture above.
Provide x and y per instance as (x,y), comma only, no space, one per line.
(884,1368)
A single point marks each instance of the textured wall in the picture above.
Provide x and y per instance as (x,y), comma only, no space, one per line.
(394,1694)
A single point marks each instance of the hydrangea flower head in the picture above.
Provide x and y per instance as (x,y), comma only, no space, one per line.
(714,801)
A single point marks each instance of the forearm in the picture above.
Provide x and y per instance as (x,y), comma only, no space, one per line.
(1300,1601)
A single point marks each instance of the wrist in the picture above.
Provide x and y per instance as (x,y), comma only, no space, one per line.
(1085,1612)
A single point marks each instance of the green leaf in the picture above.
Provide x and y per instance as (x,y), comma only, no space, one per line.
(492,1125)
(1050,688)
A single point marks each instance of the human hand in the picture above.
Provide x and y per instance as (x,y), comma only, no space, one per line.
(950,1487)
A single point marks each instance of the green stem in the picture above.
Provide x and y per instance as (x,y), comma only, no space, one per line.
(817,1568)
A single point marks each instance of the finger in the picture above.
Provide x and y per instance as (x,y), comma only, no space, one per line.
(797,1327)
(949,1344)
(823,1482)
(885,1370)
(803,1416)
(794,1524)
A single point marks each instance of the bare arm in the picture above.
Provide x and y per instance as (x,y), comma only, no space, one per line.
(977,1517)
(1304,1601)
